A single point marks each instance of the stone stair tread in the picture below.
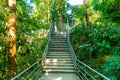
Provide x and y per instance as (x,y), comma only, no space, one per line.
(57,62)
(58,59)
(58,46)
(58,41)
(55,52)
(59,67)
(58,38)
(58,33)
(59,76)
(59,54)
(61,36)
(58,50)
(63,71)
(60,64)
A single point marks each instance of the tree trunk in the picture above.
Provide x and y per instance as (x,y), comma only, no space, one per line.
(11,37)
(86,14)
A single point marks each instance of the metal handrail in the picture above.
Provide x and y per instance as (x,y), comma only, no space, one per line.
(69,44)
(49,37)
(81,68)
(37,64)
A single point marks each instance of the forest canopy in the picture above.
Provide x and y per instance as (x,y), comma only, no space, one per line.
(97,22)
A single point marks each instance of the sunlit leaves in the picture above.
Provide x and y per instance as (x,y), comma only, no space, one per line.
(108,8)
(112,66)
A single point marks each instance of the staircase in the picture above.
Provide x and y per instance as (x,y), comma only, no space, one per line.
(58,60)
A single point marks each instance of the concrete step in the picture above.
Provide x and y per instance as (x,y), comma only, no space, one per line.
(58,49)
(50,59)
(58,38)
(58,56)
(58,33)
(53,54)
(58,41)
(57,62)
(59,76)
(60,46)
(60,67)
(60,52)
(58,71)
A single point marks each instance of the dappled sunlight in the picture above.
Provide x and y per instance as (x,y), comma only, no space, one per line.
(54,61)
(59,78)
(47,61)
(12,33)
(12,2)
(106,56)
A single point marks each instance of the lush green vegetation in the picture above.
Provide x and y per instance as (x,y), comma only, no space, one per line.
(30,31)
(98,44)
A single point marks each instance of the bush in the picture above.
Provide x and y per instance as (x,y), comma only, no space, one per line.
(93,44)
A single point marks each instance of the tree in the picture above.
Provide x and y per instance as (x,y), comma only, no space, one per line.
(86,14)
(58,10)
(109,9)
(11,37)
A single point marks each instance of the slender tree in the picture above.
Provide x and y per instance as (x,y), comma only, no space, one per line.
(11,37)
(86,13)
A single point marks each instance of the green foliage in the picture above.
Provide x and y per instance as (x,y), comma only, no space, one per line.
(78,12)
(95,43)
(112,66)
(31,33)
(109,9)
(57,9)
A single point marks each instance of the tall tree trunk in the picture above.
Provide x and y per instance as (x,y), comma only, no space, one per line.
(11,37)
(86,13)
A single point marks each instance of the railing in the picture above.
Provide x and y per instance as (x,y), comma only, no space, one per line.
(84,71)
(59,27)
(35,70)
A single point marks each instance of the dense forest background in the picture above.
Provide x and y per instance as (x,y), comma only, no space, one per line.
(94,32)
